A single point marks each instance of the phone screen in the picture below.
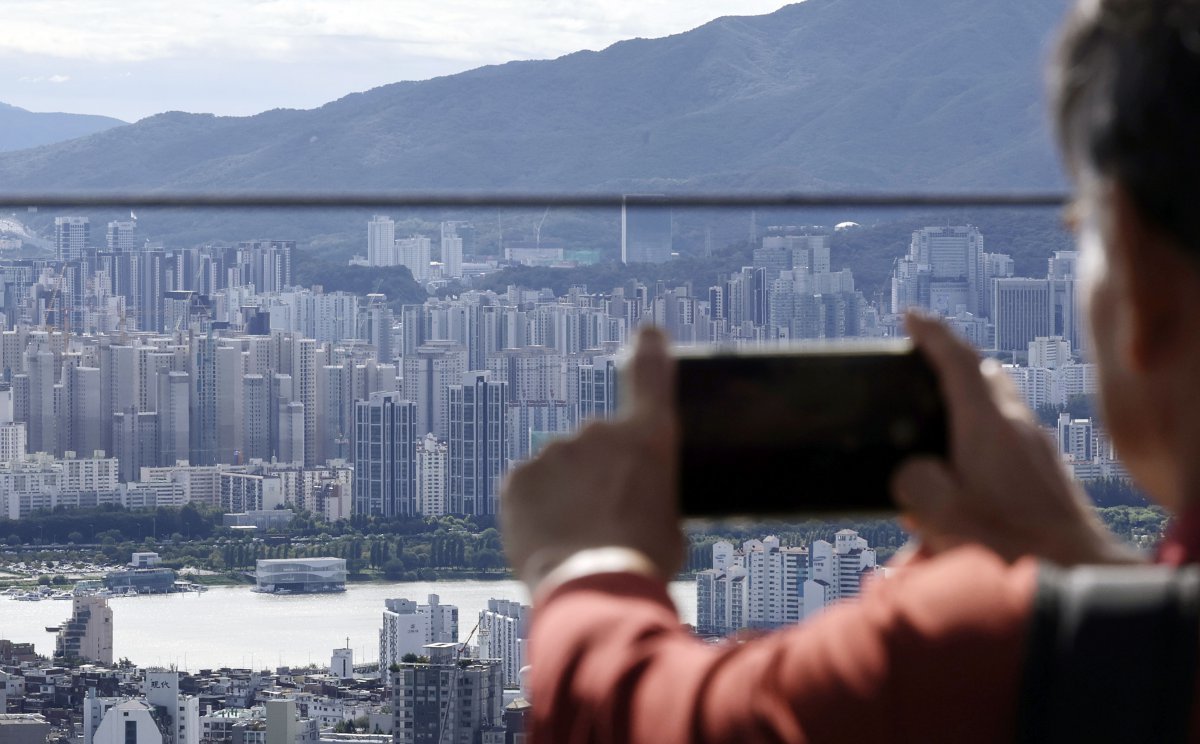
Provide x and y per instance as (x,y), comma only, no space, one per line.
(802,431)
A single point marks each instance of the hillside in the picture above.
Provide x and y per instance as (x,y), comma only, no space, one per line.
(825,94)
(21,129)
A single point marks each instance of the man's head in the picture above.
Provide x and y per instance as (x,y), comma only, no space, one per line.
(1127,91)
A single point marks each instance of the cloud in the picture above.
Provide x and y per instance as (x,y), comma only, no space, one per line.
(43,79)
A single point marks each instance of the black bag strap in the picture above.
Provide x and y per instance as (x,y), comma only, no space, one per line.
(1112,655)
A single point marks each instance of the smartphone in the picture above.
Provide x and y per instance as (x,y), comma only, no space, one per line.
(800,431)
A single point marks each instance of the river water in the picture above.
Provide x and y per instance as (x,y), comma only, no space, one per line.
(233,626)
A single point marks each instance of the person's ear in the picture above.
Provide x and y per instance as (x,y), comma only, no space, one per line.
(1151,272)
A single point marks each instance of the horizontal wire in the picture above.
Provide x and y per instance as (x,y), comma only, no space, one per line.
(294,200)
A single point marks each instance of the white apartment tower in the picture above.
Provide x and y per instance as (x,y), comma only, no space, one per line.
(381,242)
(776,580)
(408,627)
(723,592)
(432,476)
(503,633)
(841,565)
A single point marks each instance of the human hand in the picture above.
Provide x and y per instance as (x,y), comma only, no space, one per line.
(1004,485)
(613,484)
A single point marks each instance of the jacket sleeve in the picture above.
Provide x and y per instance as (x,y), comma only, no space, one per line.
(933,654)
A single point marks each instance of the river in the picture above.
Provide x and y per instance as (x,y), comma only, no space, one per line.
(233,626)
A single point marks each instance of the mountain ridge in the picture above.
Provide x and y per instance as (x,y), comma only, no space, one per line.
(22,129)
(820,95)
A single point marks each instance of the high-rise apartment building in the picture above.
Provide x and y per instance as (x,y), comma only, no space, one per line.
(477,443)
(776,582)
(385,456)
(597,389)
(841,566)
(433,464)
(503,634)
(12,433)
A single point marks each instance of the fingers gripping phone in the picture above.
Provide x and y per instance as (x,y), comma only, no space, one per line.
(776,432)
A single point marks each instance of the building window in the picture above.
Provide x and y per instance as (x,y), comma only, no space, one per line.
(131,732)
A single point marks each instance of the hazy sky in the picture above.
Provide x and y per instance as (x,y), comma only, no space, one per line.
(134,58)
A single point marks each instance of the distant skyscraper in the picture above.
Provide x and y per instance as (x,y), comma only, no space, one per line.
(204,414)
(72,236)
(121,237)
(267,264)
(646,234)
(943,272)
(256,403)
(385,456)
(1028,308)
(427,375)
(452,251)
(174,417)
(381,242)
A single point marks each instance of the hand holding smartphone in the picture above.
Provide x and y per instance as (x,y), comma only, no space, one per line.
(788,431)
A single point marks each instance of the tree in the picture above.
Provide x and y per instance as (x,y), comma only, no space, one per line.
(488,558)
(394,569)
(43,580)
(75,537)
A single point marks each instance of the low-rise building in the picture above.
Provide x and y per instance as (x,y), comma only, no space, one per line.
(21,728)
(300,575)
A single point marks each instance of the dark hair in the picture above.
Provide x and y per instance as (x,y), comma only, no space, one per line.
(1126,86)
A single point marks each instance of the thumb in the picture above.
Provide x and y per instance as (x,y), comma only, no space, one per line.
(927,492)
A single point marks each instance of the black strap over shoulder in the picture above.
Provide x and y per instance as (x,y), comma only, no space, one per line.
(1112,655)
